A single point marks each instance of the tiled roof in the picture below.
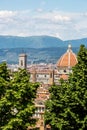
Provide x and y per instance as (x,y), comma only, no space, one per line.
(64,76)
(69,59)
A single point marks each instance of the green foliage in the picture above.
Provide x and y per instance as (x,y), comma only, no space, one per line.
(17,102)
(66,108)
(4,79)
(4,72)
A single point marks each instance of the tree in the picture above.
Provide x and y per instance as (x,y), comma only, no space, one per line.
(17,103)
(4,79)
(66,108)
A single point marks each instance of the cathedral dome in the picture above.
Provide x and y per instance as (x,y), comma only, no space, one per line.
(68,59)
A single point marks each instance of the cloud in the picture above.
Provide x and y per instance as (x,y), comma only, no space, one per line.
(61,18)
(5,14)
(39,10)
(39,22)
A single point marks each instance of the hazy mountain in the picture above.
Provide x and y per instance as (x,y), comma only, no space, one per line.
(77,42)
(30,42)
(39,49)
(39,55)
(37,42)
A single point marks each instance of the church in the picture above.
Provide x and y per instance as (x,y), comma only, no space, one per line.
(50,74)
(47,75)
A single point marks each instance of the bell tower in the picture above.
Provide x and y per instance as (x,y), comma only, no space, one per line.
(23,61)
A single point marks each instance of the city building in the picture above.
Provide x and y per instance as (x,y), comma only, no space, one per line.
(47,75)
(50,74)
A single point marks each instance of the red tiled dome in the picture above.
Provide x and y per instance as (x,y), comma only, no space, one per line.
(69,59)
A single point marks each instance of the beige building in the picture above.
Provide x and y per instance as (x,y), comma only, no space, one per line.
(47,75)
(23,61)
(52,74)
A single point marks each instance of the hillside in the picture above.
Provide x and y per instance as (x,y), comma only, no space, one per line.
(39,49)
(77,42)
(38,42)
(39,55)
(30,42)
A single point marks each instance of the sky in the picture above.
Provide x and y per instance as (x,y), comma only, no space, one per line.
(65,19)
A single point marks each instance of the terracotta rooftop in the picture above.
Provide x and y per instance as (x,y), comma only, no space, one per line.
(64,76)
(68,59)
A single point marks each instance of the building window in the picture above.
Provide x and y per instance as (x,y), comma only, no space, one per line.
(45,76)
(64,71)
(21,62)
(51,75)
(37,75)
(42,123)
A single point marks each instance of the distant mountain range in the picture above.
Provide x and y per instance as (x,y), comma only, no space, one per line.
(39,49)
(34,55)
(38,42)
